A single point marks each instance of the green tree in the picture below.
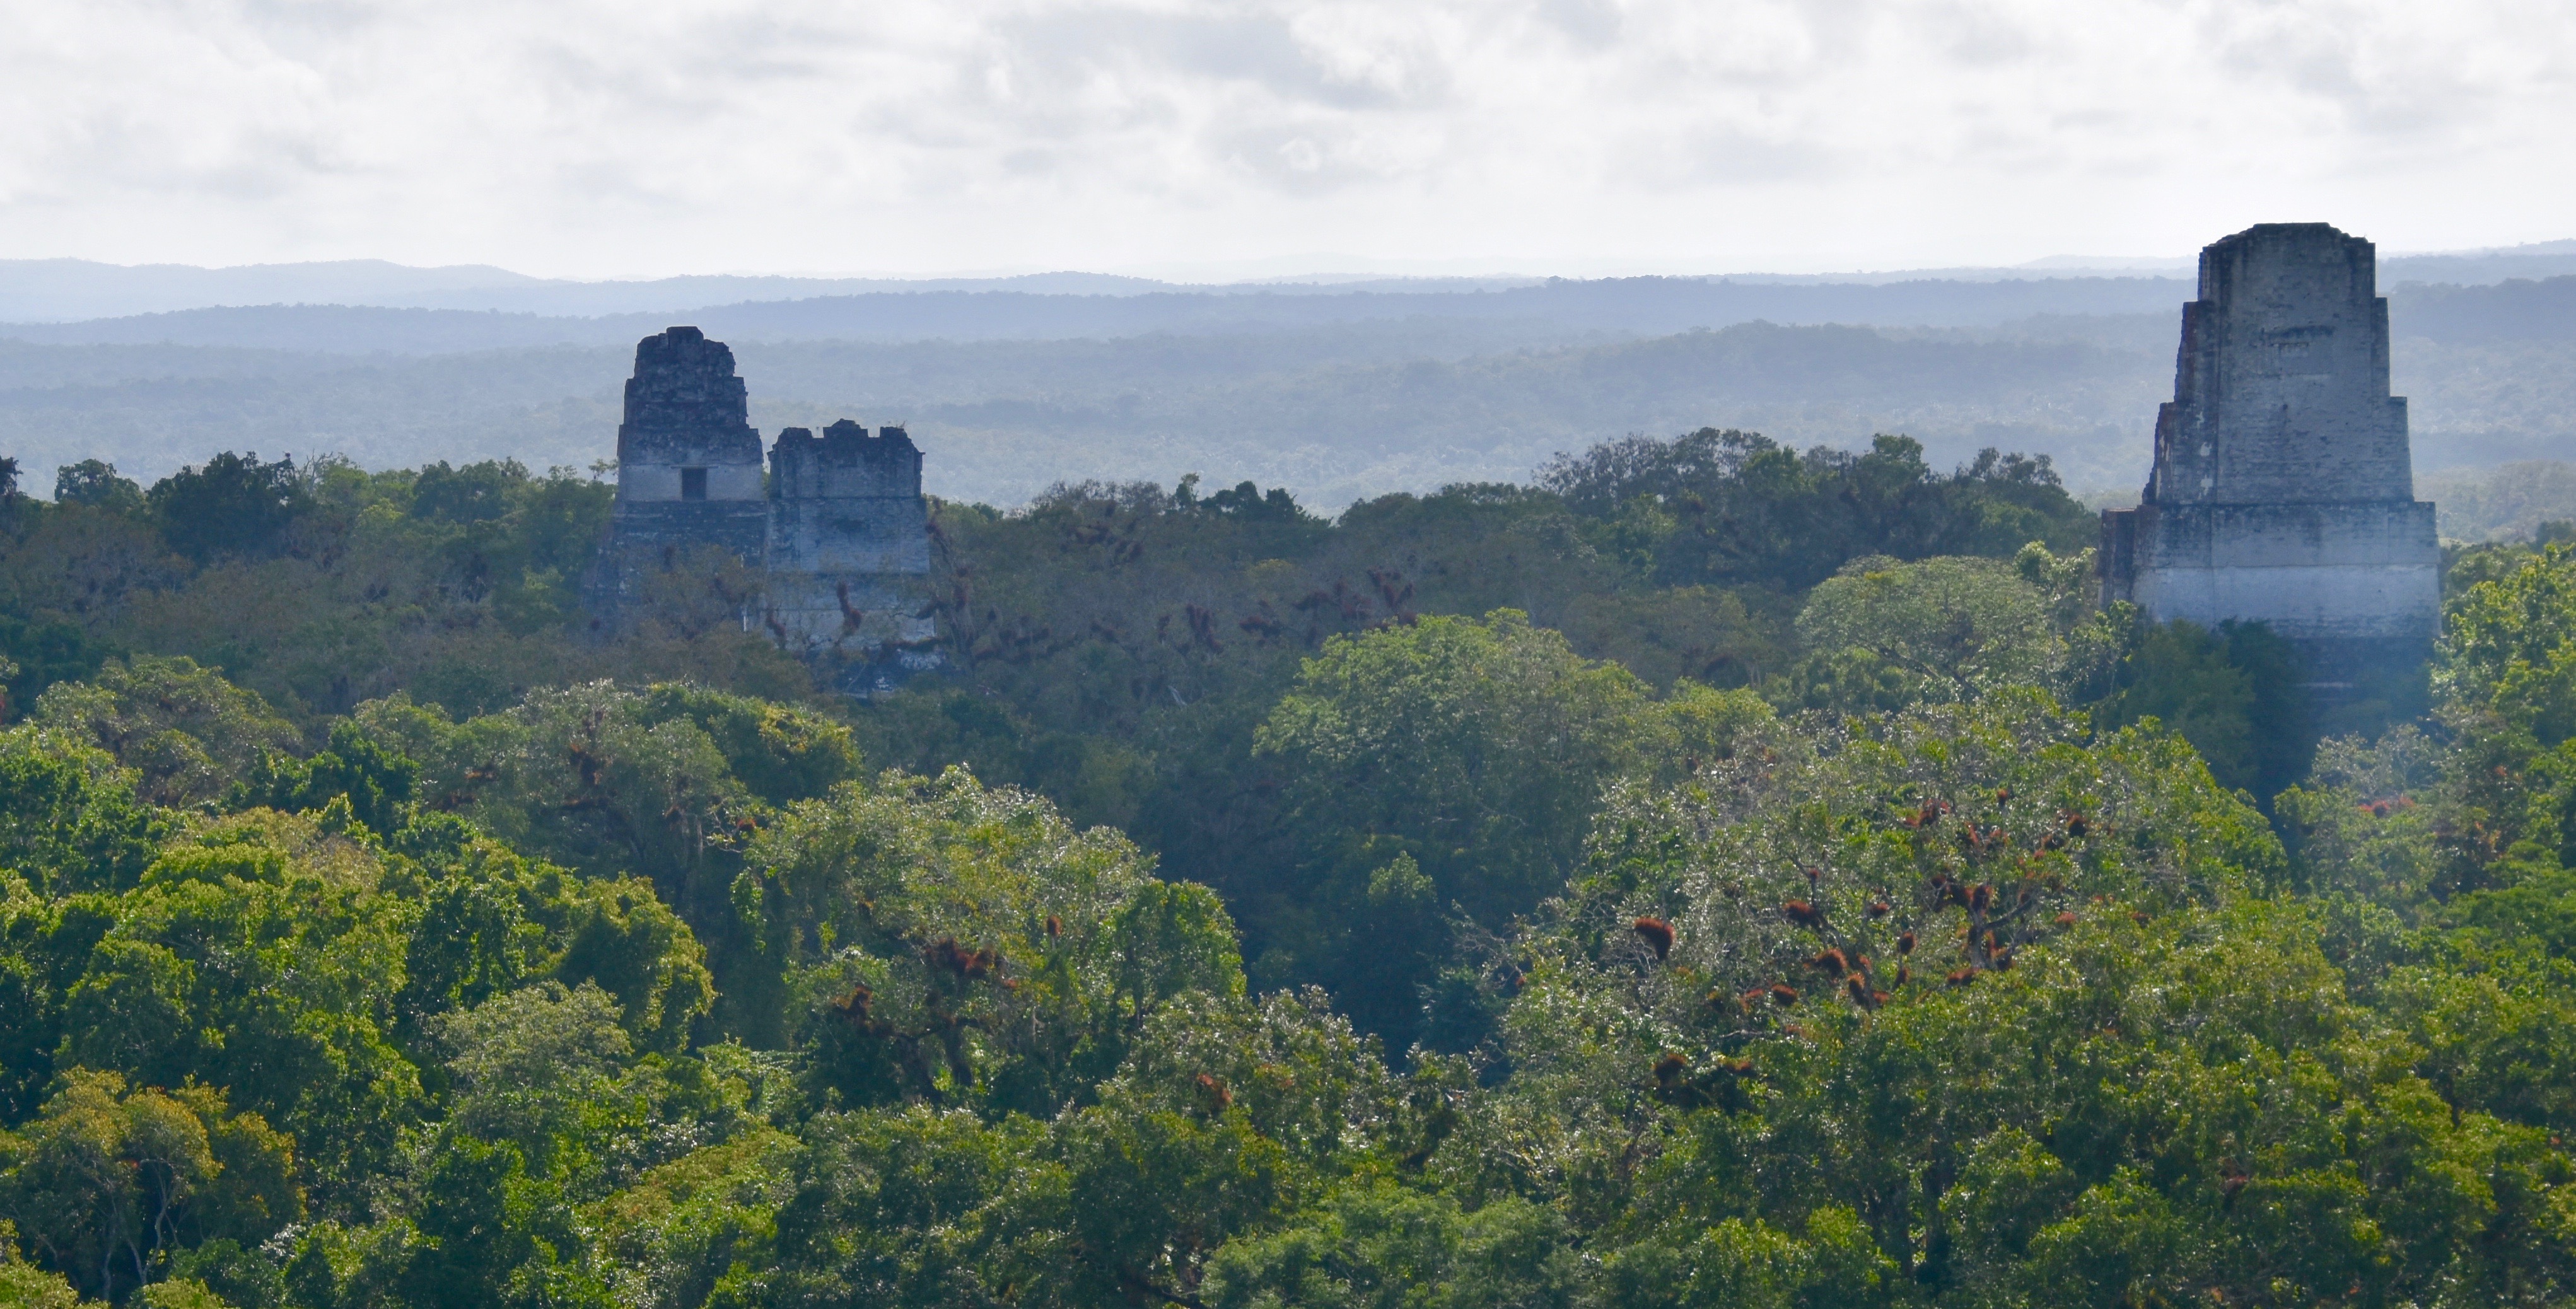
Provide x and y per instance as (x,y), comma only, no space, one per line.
(191,735)
(941,940)
(69,818)
(696,1224)
(780,753)
(1373,1246)
(1736,507)
(107,1182)
(486,1234)
(96,484)
(2509,647)
(1229,1116)
(666,784)
(1477,746)
(899,1208)
(492,921)
(1961,1005)
(25,1286)
(373,782)
(1954,627)
(536,1068)
(230,505)
(1452,761)
(1884,633)
(258,954)
(2238,694)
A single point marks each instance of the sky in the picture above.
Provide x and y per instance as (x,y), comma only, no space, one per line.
(629,138)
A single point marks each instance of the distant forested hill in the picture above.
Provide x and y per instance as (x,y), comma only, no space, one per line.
(1332,417)
(73,290)
(1336,395)
(1638,305)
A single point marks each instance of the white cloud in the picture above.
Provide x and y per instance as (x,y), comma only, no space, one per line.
(588,137)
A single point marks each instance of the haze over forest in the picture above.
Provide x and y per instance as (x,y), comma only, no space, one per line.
(1338,388)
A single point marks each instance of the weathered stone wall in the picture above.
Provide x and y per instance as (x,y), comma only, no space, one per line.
(2330,571)
(847,502)
(2282,490)
(849,543)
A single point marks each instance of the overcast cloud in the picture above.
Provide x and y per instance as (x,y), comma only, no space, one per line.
(642,137)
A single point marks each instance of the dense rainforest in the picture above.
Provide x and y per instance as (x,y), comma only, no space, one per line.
(1715,873)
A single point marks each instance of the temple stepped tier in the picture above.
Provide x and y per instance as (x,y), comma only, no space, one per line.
(2283,491)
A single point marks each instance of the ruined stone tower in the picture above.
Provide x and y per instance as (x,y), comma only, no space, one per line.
(849,534)
(2283,490)
(837,531)
(688,461)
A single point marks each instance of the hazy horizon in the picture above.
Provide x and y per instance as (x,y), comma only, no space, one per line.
(1330,267)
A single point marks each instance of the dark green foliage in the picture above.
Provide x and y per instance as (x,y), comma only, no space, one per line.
(488,1235)
(2180,675)
(2509,644)
(780,755)
(1448,766)
(476,940)
(1476,748)
(1733,507)
(230,505)
(192,736)
(321,586)
(374,781)
(623,939)
(877,1198)
(109,1182)
(2283,717)
(1246,503)
(96,484)
(68,822)
(515,542)
(254,957)
(491,921)
(35,654)
(244,1277)
(2239,695)
(476,493)
(1386,1246)
(942,942)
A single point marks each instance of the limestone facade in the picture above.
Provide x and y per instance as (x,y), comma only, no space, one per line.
(2282,490)
(836,525)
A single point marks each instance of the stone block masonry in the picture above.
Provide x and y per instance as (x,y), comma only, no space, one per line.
(849,537)
(2283,489)
(835,524)
(688,466)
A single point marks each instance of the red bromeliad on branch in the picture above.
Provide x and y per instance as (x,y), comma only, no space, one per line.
(1996,896)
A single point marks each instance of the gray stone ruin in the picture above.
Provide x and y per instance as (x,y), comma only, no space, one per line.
(836,529)
(688,460)
(849,542)
(2283,491)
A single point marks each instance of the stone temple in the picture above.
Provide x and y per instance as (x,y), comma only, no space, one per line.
(2283,491)
(835,526)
